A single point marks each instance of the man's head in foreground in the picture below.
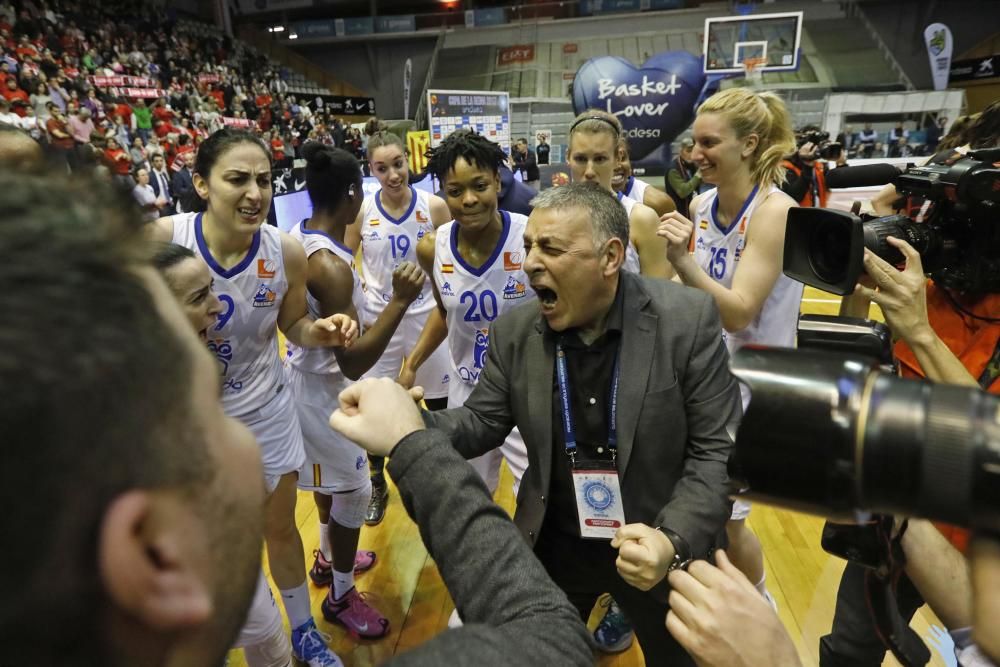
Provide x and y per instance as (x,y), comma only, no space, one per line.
(137,529)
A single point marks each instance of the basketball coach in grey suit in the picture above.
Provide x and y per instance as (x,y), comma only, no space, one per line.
(676,405)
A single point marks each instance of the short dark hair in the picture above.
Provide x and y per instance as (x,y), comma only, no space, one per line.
(471,147)
(95,410)
(330,173)
(167,255)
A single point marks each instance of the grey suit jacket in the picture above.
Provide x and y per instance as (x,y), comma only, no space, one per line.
(676,399)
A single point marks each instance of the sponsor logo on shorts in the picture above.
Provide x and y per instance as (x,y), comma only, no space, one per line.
(265,297)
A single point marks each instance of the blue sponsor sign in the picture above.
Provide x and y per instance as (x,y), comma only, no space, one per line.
(401,23)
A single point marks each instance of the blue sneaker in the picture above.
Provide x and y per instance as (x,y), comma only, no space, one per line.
(309,645)
(614,633)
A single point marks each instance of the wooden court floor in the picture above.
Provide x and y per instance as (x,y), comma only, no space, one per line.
(406,587)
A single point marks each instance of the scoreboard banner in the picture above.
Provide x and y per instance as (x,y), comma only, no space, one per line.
(485,112)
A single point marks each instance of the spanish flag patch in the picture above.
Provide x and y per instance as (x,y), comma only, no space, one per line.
(703,224)
(447,268)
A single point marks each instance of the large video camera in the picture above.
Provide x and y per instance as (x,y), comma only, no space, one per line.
(958,242)
(826,149)
(829,434)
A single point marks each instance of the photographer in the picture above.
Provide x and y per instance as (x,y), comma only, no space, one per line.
(943,337)
(805,176)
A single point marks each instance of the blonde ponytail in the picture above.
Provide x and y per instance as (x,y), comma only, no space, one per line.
(763,114)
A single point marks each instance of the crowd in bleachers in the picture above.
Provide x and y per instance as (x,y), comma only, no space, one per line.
(111,84)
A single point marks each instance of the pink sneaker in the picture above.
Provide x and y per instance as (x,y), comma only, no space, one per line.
(321,572)
(352,611)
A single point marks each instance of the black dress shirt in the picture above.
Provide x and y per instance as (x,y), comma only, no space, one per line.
(590,369)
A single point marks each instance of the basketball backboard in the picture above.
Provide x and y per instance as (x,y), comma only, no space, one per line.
(773,38)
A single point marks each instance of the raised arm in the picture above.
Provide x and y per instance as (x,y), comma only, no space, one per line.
(757,271)
(293,318)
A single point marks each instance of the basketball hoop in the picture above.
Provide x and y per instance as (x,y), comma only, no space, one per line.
(752,70)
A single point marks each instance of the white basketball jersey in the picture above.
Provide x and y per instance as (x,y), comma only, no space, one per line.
(386,242)
(635,188)
(474,297)
(718,250)
(631,263)
(321,360)
(244,339)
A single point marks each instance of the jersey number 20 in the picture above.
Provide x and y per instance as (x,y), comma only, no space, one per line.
(482,306)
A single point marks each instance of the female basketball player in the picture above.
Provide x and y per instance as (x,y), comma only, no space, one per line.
(262,636)
(593,150)
(336,469)
(393,221)
(624,182)
(735,251)
(260,277)
(475,262)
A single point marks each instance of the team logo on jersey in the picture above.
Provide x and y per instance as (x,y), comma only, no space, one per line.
(447,268)
(514,289)
(739,249)
(479,350)
(743,225)
(265,297)
(446,290)
(266,268)
(512,260)
(700,243)
(423,231)
(421,217)
(373,236)
(360,463)
(703,224)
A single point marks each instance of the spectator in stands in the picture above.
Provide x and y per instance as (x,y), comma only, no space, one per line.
(61,141)
(160,182)
(41,100)
(17,97)
(867,138)
(6,115)
(120,131)
(278,150)
(933,132)
(119,162)
(542,149)
(142,119)
(683,178)
(847,139)
(30,124)
(145,197)
(81,126)
(895,135)
(525,162)
(138,154)
(183,186)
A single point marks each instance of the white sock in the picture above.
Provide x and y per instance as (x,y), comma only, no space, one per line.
(342,582)
(324,541)
(761,586)
(296,601)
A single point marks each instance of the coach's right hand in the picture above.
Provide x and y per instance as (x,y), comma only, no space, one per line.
(376,414)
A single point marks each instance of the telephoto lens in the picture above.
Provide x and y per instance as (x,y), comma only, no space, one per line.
(832,435)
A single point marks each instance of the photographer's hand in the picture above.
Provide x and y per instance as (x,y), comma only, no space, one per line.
(902,296)
(808,152)
(718,616)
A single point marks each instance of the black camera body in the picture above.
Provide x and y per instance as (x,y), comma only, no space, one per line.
(958,242)
(826,149)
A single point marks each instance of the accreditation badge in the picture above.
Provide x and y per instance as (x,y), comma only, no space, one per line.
(598,503)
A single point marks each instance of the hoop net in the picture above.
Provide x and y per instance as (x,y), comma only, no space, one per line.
(752,70)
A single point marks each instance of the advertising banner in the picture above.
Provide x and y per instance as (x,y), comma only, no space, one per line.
(985,67)
(341,105)
(519,53)
(245,123)
(937,37)
(654,102)
(486,112)
(119,81)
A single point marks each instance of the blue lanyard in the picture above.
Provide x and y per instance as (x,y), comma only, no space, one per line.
(569,431)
